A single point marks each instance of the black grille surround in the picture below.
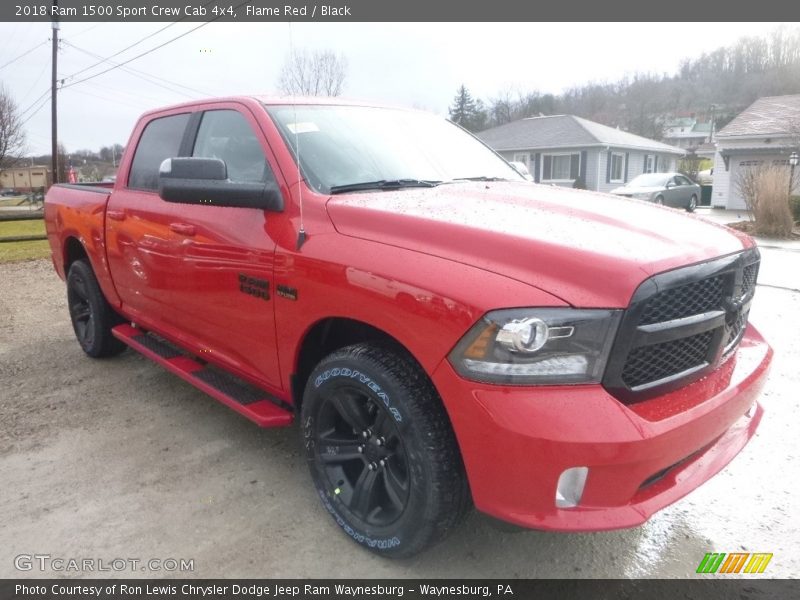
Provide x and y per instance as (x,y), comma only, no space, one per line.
(680,325)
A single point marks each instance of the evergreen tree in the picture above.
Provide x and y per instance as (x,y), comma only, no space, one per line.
(466,111)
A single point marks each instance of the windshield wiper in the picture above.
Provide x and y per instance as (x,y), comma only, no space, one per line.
(383,184)
(480,178)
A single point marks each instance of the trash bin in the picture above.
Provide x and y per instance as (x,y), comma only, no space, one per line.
(705,195)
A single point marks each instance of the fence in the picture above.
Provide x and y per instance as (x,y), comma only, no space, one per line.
(31,215)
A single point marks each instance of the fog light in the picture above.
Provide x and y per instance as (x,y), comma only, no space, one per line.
(570,487)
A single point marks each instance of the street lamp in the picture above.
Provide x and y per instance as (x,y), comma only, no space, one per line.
(793,160)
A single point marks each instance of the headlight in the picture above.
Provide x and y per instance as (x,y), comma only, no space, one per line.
(642,196)
(537,346)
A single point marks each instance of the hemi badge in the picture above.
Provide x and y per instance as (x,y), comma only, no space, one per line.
(284,291)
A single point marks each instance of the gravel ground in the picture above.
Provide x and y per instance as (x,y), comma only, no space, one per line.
(120,459)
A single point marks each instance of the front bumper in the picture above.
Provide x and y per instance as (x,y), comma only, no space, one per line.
(516,442)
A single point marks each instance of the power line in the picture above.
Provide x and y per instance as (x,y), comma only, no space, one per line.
(13,60)
(126,48)
(152,49)
(35,102)
(146,76)
(40,107)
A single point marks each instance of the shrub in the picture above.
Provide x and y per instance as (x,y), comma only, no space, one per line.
(794,204)
(765,190)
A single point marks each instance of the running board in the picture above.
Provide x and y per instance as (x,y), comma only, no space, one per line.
(255,404)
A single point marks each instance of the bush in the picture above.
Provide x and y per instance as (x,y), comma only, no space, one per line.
(794,204)
(765,190)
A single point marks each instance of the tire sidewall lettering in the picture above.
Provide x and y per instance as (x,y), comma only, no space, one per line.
(361,538)
(355,375)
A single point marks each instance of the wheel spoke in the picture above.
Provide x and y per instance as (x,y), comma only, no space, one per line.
(88,330)
(394,491)
(363,492)
(79,287)
(352,409)
(380,426)
(81,312)
(335,452)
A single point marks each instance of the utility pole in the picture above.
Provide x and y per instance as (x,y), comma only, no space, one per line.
(53,97)
(711,131)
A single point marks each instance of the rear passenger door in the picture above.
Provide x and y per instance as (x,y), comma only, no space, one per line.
(141,248)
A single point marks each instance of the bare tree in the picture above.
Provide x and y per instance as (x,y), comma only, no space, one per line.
(320,73)
(12,135)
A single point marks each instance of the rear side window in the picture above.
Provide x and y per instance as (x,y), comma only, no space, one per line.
(161,139)
(227,135)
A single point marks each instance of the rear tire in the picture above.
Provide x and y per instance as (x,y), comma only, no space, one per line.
(381,450)
(92,316)
(692,204)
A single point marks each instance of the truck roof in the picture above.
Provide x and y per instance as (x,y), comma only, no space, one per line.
(272,100)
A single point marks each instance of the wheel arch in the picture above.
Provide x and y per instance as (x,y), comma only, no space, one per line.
(329,334)
(73,250)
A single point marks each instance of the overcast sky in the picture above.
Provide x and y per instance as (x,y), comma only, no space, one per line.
(411,64)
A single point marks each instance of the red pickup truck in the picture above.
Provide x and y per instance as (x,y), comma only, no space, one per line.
(445,332)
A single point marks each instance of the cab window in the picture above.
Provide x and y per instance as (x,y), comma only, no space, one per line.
(161,139)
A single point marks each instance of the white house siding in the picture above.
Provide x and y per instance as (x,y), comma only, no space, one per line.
(666,163)
(596,159)
(721,183)
(725,192)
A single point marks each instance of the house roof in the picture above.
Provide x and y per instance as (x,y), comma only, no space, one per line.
(566,131)
(771,115)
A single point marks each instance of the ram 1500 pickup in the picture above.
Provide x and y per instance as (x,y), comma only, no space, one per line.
(445,332)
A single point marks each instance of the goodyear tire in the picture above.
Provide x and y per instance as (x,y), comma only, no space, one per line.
(381,450)
(92,317)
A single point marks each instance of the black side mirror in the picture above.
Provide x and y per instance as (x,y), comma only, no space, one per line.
(205,181)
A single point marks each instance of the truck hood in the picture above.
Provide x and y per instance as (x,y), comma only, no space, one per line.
(589,249)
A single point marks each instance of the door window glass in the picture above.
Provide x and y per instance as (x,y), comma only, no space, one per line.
(226,134)
(161,139)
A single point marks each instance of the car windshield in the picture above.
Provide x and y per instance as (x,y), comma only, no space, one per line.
(351,148)
(649,180)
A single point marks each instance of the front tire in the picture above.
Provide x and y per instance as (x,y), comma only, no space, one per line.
(659,200)
(92,316)
(381,450)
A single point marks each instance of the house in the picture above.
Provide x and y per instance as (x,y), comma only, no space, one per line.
(764,133)
(561,149)
(25,179)
(686,132)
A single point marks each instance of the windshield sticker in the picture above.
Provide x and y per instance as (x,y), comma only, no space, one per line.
(306,127)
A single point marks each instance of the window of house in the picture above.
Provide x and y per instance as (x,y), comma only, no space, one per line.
(561,167)
(617,167)
(523,158)
(161,139)
(226,134)
(648,163)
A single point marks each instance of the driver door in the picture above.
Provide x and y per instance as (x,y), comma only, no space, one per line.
(226,290)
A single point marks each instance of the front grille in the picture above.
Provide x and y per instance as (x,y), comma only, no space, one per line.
(680,324)
(658,361)
(749,277)
(690,299)
(735,323)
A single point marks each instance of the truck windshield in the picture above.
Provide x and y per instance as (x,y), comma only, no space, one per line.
(355,148)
